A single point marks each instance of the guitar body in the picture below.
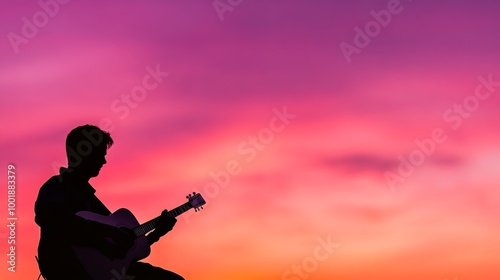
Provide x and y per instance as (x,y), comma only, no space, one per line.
(99,266)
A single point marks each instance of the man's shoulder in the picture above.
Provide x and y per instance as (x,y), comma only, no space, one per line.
(51,191)
(57,180)
(53,182)
(53,185)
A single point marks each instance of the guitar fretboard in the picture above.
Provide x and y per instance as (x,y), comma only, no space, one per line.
(151,224)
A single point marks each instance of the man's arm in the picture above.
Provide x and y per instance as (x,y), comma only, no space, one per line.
(165,224)
(53,211)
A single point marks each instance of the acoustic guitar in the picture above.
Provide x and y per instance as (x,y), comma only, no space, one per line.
(101,267)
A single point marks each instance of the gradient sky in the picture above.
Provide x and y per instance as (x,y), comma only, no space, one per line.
(321,177)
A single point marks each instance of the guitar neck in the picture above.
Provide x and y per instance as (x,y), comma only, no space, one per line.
(152,224)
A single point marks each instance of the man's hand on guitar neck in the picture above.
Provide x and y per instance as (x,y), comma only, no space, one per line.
(165,224)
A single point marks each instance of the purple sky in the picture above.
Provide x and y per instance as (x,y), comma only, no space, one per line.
(322,174)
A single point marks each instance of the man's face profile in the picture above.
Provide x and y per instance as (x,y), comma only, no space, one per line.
(93,163)
(86,148)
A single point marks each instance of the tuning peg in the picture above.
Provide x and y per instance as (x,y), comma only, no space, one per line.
(187,196)
(194,193)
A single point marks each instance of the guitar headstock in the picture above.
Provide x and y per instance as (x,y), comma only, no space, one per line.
(196,201)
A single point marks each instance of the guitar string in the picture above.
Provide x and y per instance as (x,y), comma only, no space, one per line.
(150,225)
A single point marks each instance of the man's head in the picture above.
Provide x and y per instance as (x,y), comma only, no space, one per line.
(86,148)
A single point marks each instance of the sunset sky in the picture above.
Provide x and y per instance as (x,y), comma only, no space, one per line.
(377,163)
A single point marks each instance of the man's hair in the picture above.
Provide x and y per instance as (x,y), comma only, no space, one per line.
(85,140)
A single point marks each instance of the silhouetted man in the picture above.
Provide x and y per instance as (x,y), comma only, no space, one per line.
(70,192)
